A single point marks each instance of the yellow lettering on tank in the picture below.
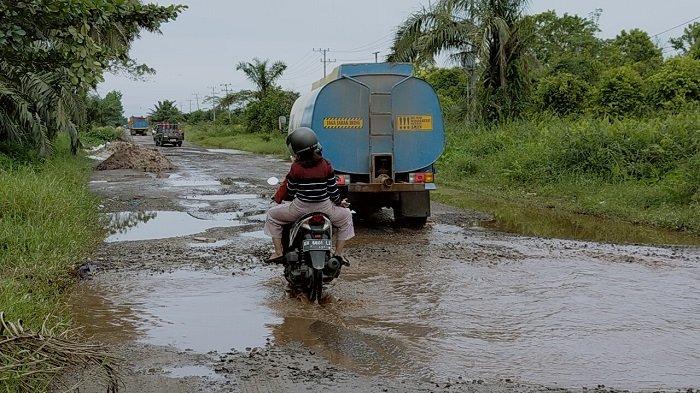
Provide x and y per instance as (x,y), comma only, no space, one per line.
(414,122)
(343,122)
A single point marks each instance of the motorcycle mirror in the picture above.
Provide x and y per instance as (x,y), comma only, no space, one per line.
(273,181)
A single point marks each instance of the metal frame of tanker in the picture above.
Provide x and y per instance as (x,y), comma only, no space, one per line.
(383,127)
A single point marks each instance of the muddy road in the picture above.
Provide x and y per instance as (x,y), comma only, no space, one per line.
(180,292)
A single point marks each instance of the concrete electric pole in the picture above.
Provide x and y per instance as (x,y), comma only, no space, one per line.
(228,107)
(196,97)
(376,57)
(325,59)
(213,102)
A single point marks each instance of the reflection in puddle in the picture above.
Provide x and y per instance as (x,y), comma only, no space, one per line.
(193,183)
(192,371)
(223,197)
(228,151)
(199,310)
(131,226)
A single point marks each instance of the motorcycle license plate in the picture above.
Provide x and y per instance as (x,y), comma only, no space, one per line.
(316,244)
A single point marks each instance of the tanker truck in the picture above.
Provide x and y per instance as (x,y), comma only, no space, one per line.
(382,129)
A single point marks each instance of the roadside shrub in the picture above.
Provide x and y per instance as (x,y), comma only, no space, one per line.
(98,135)
(562,94)
(262,115)
(676,84)
(619,92)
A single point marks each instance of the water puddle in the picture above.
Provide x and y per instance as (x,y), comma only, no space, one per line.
(199,310)
(192,371)
(222,197)
(228,151)
(193,183)
(555,223)
(149,225)
(566,315)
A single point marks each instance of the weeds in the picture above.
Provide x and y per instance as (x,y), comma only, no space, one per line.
(48,223)
(234,137)
(640,170)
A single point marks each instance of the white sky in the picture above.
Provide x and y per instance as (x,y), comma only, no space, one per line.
(202,47)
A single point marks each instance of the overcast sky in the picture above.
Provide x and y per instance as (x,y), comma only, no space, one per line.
(201,48)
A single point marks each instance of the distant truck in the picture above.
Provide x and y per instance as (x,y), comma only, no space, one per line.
(382,129)
(168,133)
(138,125)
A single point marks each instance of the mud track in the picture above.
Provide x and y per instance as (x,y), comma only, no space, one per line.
(180,292)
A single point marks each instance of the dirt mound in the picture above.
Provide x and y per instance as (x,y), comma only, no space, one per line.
(130,156)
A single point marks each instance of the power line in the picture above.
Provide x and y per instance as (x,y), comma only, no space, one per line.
(677,26)
(325,59)
(362,48)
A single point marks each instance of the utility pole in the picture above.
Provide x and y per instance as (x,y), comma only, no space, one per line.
(190,101)
(196,97)
(228,107)
(213,102)
(325,59)
(376,57)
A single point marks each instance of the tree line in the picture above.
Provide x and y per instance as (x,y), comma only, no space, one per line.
(54,53)
(254,110)
(511,64)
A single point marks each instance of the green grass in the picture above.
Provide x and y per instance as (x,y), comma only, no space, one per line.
(98,135)
(637,170)
(48,224)
(233,137)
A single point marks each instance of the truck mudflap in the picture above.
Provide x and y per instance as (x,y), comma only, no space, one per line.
(414,204)
(396,187)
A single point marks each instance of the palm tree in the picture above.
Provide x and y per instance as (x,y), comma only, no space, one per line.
(35,107)
(261,75)
(487,37)
(166,111)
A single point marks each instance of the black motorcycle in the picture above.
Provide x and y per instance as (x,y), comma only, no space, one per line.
(307,259)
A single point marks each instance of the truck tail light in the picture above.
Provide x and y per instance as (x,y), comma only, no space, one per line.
(342,180)
(421,177)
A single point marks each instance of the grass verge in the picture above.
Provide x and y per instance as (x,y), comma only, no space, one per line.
(643,171)
(233,137)
(48,224)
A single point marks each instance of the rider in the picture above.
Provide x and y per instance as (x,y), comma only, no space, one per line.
(311,187)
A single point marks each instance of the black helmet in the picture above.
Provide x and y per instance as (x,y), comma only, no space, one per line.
(303,139)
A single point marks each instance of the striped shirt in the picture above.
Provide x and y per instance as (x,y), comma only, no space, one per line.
(314,184)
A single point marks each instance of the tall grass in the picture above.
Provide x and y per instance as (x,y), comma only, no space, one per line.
(640,170)
(48,223)
(234,137)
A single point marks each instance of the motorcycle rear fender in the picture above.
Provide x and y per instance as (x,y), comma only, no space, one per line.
(318,259)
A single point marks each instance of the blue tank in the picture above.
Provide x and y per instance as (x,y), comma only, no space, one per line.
(382,127)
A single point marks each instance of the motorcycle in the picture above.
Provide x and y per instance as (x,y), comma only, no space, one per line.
(307,258)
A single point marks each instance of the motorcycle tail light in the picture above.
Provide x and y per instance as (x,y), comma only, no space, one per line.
(317,219)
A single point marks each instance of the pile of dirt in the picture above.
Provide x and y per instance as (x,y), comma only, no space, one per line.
(130,156)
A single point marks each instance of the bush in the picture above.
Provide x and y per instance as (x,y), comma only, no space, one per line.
(99,135)
(262,115)
(562,94)
(620,92)
(676,84)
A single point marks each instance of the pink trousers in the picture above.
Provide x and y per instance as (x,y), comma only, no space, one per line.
(288,212)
